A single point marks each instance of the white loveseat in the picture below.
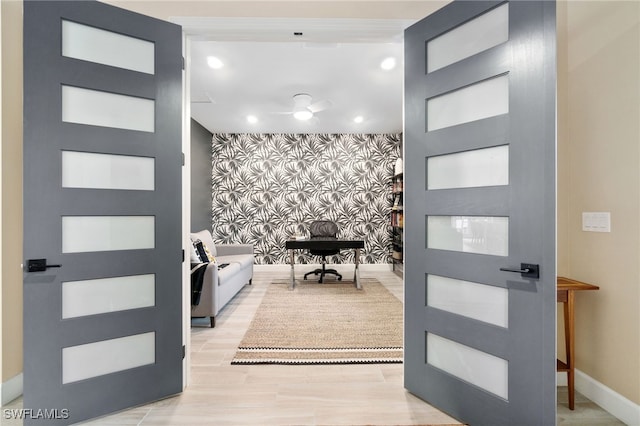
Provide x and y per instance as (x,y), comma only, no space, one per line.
(220,285)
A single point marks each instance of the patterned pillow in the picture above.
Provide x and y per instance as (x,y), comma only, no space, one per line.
(195,257)
(203,253)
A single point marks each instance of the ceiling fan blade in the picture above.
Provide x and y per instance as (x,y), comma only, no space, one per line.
(320,106)
(205,98)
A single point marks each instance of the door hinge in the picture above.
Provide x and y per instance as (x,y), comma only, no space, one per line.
(182,255)
(183,62)
(184,351)
(183,159)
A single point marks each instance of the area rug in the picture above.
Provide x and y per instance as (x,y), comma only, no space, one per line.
(328,323)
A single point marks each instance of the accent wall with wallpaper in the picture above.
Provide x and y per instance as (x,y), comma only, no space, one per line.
(267,187)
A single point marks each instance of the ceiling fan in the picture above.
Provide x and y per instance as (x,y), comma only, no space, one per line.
(304,110)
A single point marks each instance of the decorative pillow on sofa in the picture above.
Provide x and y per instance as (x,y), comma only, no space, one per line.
(208,252)
(195,257)
(203,253)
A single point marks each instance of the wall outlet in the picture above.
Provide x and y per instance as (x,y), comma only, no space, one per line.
(596,221)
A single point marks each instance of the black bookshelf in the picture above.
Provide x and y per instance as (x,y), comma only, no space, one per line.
(397,223)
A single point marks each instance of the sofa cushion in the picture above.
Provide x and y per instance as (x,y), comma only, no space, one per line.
(242,260)
(226,272)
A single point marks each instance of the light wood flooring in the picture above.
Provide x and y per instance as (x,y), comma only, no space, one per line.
(225,394)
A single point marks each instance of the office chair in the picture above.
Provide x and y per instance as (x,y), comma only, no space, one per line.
(323,229)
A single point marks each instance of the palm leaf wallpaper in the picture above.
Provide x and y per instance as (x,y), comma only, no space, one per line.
(267,187)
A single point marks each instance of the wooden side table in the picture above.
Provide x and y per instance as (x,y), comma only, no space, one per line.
(566,294)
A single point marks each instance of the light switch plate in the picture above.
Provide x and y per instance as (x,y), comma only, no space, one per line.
(596,221)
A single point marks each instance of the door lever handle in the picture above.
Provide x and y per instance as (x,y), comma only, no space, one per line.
(526,270)
(522,271)
(39,265)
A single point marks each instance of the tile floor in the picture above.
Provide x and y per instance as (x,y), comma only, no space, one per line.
(585,413)
(222,394)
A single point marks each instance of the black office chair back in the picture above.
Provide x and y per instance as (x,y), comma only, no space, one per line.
(323,228)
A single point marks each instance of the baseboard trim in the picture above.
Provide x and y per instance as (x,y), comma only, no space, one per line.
(611,401)
(364,267)
(271,267)
(11,389)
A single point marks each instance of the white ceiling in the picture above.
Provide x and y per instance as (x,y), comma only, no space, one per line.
(266,65)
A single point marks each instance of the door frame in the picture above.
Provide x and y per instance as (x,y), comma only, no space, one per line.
(186,150)
(186,210)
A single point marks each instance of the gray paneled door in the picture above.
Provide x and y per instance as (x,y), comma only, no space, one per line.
(480,149)
(102,209)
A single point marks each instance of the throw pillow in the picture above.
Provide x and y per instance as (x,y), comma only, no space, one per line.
(195,258)
(208,252)
(203,252)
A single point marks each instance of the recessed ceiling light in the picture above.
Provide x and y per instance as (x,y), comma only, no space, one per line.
(359,119)
(214,62)
(252,119)
(388,64)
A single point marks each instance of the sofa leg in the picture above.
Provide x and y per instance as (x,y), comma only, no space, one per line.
(213,322)
(250,281)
